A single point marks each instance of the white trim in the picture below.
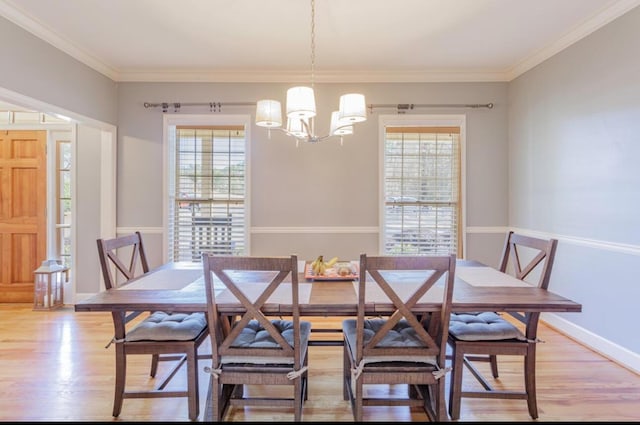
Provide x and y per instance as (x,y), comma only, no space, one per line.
(590,243)
(108,188)
(602,346)
(74,214)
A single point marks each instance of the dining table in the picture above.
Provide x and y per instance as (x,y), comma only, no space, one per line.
(179,287)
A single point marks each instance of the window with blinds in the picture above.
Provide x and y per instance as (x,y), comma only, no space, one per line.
(421,190)
(207,205)
(63,200)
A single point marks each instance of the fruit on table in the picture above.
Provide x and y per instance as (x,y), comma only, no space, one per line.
(319,266)
(331,262)
(343,268)
(344,271)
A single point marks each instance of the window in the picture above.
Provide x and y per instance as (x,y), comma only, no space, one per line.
(421,190)
(63,201)
(207,192)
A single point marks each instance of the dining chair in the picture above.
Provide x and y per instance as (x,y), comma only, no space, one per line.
(165,336)
(406,347)
(252,349)
(482,336)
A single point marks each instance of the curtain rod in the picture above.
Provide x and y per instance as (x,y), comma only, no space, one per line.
(401,107)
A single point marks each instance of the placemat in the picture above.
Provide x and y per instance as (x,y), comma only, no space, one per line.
(374,294)
(281,295)
(488,276)
(166,279)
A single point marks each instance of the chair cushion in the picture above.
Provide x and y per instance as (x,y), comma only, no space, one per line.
(484,326)
(402,335)
(161,326)
(255,336)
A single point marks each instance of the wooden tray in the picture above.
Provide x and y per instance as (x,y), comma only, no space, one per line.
(331,273)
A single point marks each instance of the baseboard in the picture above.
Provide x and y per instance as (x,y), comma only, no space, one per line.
(604,347)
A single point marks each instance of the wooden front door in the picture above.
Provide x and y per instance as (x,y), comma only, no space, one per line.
(23,220)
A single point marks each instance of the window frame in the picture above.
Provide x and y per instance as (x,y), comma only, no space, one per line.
(422,120)
(176,120)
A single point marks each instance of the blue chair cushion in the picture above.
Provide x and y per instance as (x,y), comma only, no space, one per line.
(255,336)
(484,326)
(161,326)
(402,335)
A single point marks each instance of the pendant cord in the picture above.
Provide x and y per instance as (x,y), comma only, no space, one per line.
(313,39)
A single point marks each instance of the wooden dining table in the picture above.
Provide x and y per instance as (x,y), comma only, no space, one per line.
(179,287)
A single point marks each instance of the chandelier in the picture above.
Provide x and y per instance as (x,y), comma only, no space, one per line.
(301,108)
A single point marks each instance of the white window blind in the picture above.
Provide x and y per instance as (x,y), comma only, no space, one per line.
(421,190)
(208,192)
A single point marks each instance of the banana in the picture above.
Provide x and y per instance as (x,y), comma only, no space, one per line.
(331,262)
(318,266)
(322,267)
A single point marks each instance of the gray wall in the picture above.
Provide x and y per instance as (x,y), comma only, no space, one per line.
(574,144)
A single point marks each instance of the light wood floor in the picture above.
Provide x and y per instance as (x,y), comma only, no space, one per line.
(54,367)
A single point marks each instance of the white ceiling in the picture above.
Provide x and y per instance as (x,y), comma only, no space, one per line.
(269,40)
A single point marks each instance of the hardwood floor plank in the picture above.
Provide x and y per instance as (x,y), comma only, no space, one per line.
(54,367)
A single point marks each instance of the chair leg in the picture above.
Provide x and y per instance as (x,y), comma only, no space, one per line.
(121,372)
(192,383)
(530,380)
(493,359)
(155,359)
(455,388)
(358,406)
(305,379)
(298,396)
(346,372)
(215,402)
(438,398)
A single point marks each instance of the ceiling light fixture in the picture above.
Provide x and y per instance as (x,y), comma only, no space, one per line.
(301,108)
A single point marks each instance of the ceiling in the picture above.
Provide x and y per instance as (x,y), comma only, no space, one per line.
(355,40)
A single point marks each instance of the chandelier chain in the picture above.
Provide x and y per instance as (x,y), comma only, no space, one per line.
(313,39)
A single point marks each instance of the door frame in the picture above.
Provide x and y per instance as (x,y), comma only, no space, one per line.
(108,172)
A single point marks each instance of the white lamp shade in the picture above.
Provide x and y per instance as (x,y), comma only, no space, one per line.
(352,108)
(301,103)
(268,113)
(297,128)
(338,128)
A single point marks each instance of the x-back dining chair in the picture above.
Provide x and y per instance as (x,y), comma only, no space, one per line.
(165,336)
(252,348)
(482,336)
(406,347)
